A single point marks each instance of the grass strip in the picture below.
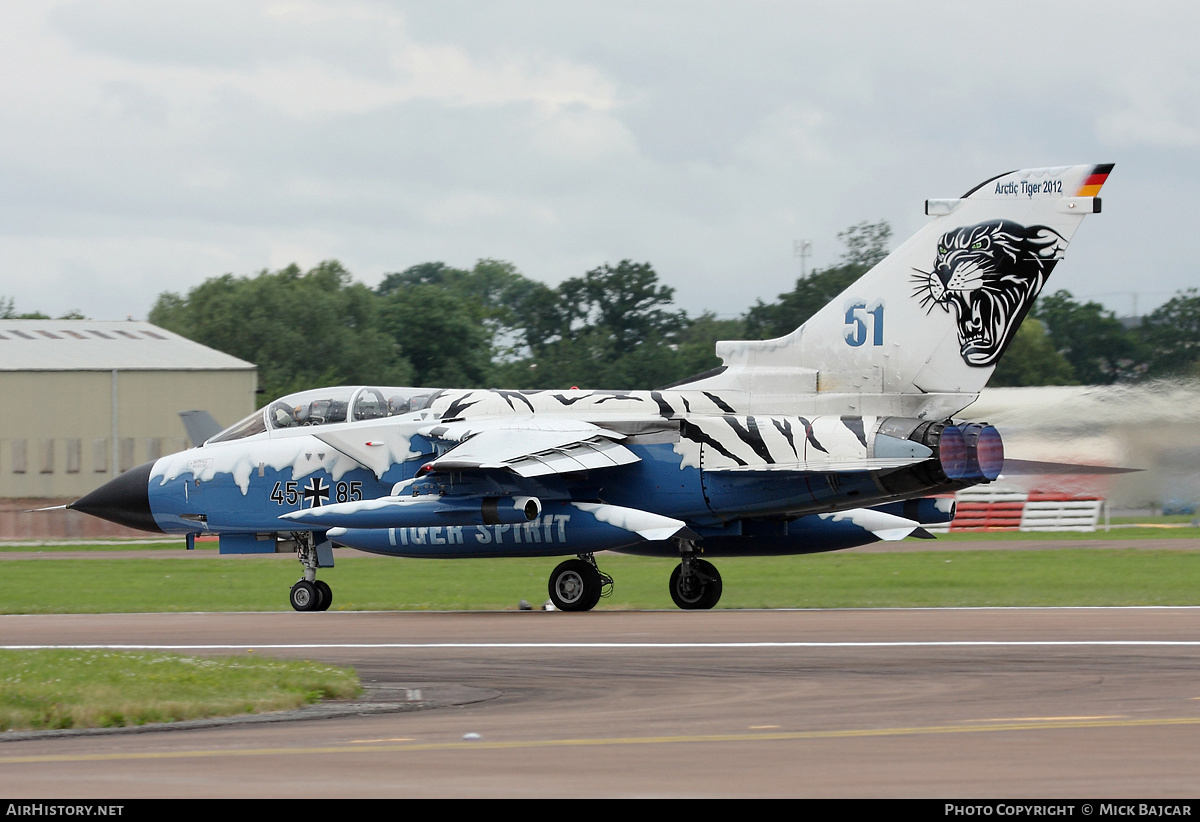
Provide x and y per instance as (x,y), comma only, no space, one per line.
(910,578)
(54,689)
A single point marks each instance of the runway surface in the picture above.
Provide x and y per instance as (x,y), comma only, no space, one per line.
(999,703)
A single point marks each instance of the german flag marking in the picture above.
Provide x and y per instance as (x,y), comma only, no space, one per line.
(1091,186)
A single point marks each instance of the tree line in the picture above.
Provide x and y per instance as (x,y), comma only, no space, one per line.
(615,327)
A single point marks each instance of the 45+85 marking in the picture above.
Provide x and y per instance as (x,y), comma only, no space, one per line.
(316,493)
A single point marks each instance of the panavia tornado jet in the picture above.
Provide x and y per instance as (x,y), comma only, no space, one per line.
(838,434)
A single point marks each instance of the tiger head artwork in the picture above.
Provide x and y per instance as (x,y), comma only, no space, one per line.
(989,275)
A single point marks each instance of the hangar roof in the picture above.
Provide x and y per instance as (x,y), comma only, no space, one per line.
(99,345)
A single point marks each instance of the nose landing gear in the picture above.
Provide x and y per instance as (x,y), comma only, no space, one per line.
(310,593)
(311,596)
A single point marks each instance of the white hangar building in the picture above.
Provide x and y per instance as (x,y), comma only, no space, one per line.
(85,400)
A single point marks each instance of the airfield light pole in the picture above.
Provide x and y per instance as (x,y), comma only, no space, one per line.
(803,250)
(116,428)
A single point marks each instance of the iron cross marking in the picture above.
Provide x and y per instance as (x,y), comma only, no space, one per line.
(316,492)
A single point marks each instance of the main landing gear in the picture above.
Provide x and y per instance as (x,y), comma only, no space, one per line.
(577,584)
(310,593)
(695,583)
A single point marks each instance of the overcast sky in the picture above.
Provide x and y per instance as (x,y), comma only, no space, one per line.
(146,146)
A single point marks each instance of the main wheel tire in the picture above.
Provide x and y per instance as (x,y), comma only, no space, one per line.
(698,591)
(326,594)
(304,596)
(575,586)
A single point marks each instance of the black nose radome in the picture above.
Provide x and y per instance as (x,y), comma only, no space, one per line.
(124,500)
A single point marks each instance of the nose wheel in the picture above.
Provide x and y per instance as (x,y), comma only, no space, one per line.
(310,593)
(311,596)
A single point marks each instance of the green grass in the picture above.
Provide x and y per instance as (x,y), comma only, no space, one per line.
(978,578)
(910,577)
(50,689)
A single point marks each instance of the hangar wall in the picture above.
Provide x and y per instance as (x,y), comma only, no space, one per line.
(84,401)
(59,438)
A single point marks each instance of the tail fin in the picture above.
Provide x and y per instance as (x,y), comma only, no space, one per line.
(920,333)
(199,425)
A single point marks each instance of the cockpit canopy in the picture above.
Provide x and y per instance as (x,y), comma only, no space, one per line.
(325,406)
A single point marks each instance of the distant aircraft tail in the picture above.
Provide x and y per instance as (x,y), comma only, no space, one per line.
(199,425)
(921,332)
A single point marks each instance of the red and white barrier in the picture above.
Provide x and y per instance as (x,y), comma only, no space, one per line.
(998,508)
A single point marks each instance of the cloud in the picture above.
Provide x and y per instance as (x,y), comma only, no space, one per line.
(141,139)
